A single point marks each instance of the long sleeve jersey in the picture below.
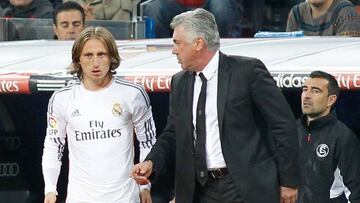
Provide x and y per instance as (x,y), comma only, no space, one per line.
(99,126)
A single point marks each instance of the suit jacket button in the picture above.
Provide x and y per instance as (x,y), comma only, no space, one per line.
(202,174)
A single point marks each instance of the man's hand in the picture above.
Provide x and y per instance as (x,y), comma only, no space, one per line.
(89,11)
(50,198)
(145,196)
(141,172)
(288,195)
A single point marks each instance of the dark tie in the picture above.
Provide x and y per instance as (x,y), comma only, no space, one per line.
(200,151)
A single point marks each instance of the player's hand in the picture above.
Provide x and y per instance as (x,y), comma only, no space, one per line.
(145,196)
(50,198)
(288,195)
(141,172)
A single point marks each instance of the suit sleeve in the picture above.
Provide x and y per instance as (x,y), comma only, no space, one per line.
(163,151)
(274,108)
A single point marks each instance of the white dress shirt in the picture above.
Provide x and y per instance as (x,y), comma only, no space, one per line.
(214,156)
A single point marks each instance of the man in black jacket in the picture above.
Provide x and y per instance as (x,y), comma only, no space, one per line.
(230,130)
(68,20)
(30,9)
(329,150)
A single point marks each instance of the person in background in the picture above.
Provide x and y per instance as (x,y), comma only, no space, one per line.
(230,131)
(25,9)
(228,14)
(56,3)
(98,116)
(68,20)
(329,150)
(29,9)
(3,11)
(355,2)
(106,9)
(4,4)
(325,18)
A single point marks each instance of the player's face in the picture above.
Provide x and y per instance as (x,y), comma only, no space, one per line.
(315,99)
(68,25)
(95,64)
(185,51)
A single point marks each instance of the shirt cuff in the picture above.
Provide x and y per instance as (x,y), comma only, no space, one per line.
(147,187)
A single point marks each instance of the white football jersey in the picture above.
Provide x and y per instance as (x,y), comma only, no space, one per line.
(99,126)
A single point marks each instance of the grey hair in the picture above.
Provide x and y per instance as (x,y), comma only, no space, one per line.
(199,23)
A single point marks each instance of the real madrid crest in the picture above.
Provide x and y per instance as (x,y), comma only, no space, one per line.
(322,150)
(52,122)
(116,110)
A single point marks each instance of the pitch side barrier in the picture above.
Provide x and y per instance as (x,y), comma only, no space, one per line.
(29,84)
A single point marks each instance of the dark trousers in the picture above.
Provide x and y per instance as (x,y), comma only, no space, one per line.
(220,190)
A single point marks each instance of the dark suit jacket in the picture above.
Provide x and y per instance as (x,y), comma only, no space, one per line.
(257,132)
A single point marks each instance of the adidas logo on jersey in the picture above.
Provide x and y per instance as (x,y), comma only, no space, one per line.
(76,113)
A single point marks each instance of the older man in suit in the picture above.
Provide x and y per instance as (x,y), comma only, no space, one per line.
(230,129)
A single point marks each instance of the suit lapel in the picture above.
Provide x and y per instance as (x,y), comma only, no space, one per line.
(190,96)
(223,83)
